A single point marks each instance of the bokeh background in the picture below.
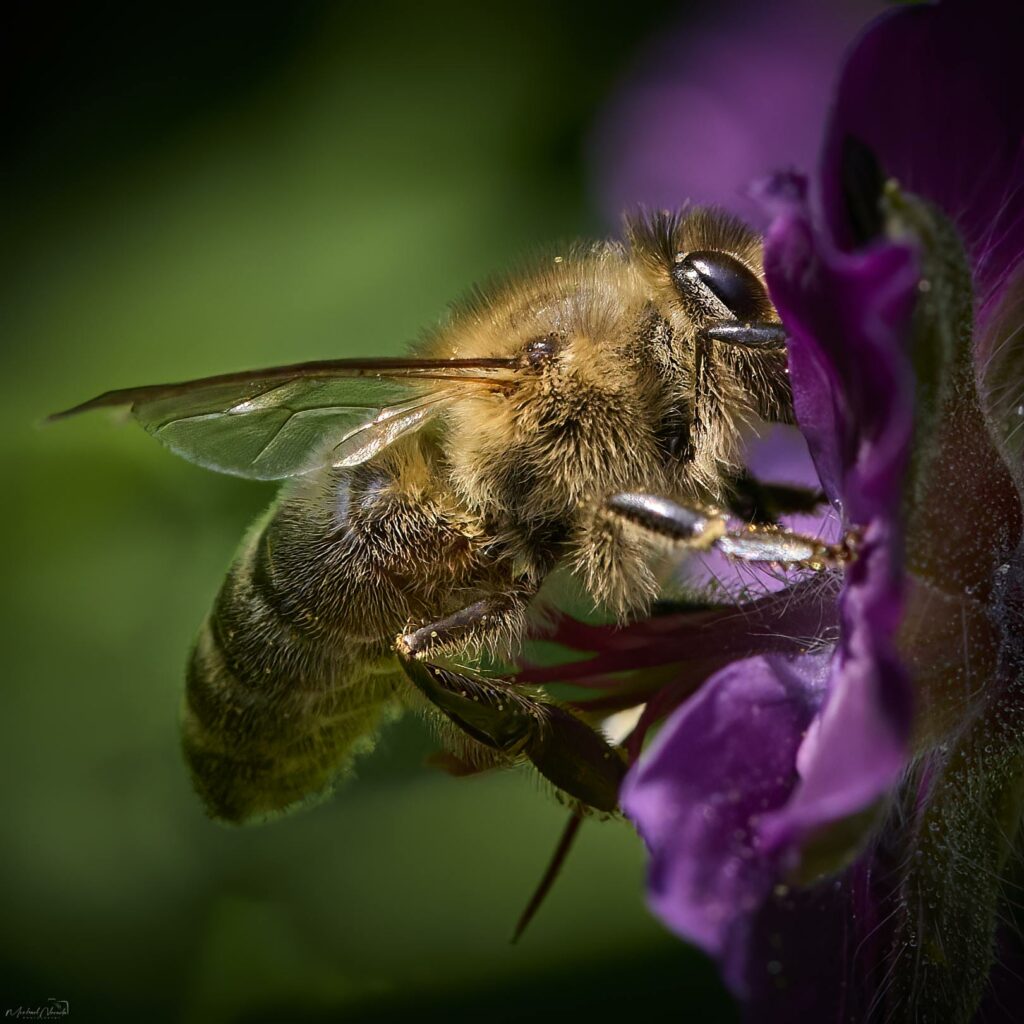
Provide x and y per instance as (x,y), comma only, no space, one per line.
(190,191)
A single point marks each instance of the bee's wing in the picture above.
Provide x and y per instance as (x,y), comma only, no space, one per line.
(287,420)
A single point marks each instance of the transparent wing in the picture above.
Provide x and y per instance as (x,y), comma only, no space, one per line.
(285,421)
(364,441)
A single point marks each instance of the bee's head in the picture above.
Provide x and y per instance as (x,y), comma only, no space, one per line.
(702,266)
(722,344)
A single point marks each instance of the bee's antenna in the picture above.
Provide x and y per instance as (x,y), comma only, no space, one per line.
(572,827)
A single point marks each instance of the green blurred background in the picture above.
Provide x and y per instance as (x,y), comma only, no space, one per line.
(194,191)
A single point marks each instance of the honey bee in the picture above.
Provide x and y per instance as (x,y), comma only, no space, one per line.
(562,417)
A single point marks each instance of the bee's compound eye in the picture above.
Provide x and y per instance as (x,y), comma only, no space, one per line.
(540,350)
(732,283)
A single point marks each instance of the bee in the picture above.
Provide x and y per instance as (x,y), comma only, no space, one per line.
(566,416)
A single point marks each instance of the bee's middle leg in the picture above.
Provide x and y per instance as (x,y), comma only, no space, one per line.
(506,719)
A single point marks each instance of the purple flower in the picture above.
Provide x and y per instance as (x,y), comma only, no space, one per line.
(832,802)
(720,100)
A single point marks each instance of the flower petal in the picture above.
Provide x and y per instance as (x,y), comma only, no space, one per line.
(722,761)
(848,317)
(934,91)
(857,748)
(719,101)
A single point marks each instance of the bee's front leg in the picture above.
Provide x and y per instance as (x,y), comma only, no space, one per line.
(507,719)
(703,529)
(762,340)
(758,501)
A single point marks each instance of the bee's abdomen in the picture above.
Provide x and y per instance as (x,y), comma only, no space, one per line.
(276,706)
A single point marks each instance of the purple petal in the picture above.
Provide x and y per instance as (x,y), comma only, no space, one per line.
(935,92)
(779,455)
(720,102)
(857,747)
(722,761)
(848,317)
(811,952)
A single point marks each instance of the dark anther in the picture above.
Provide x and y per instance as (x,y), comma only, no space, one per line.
(540,350)
(862,181)
(732,283)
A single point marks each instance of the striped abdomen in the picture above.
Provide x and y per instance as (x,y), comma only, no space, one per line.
(278,700)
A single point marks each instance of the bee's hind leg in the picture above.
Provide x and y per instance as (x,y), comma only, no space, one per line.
(702,530)
(508,720)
